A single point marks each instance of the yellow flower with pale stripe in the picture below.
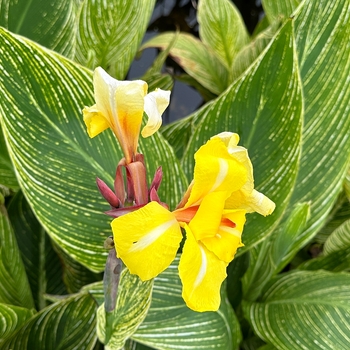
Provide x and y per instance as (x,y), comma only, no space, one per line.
(147,240)
(120,106)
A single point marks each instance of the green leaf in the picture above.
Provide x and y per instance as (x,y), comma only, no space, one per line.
(14,286)
(181,327)
(11,319)
(133,301)
(320,29)
(48,22)
(57,164)
(268,119)
(68,324)
(336,252)
(222,29)
(267,258)
(7,173)
(110,33)
(339,213)
(75,275)
(339,239)
(249,53)
(275,10)
(178,134)
(198,60)
(42,265)
(347,184)
(304,310)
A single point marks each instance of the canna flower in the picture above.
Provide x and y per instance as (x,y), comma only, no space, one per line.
(120,106)
(212,213)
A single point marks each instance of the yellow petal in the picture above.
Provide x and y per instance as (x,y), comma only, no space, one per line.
(251,202)
(215,170)
(155,104)
(95,122)
(129,99)
(202,274)
(207,220)
(104,87)
(228,239)
(147,239)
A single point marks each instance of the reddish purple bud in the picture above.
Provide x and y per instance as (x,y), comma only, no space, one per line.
(153,195)
(119,184)
(137,182)
(157,179)
(107,193)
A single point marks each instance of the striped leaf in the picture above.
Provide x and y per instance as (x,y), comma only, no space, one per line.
(304,310)
(56,162)
(347,184)
(169,324)
(222,29)
(67,324)
(198,60)
(267,116)
(339,239)
(42,265)
(14,286)
(50,23)
(110,33)
(336,252)
(275,10)
(181,327)
(267,258)
(11,319)
(7,173)
(133,301)
(320,29)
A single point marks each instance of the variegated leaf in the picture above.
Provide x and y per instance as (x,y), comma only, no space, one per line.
(304,310)
(110,33)
(56,162)
(198,60)
(222,28)
(14,286)
(50,23)
(67,324)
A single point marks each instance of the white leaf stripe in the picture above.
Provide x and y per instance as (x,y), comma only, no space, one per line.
(118,25)
(57,26)
(75,317)
(12,318)
(134,299)
(324,66)
(55,161)
(304,310)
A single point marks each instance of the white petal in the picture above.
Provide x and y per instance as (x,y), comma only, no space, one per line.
(155,104)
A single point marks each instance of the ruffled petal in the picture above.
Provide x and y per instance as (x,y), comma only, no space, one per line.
(215,170)
(155,104)
(95,121)
(207,219)
(202,274)
(104,88)
(251,202)
(147,240)
(228,238)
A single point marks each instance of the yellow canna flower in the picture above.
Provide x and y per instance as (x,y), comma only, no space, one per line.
(120,106)
(147,239)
